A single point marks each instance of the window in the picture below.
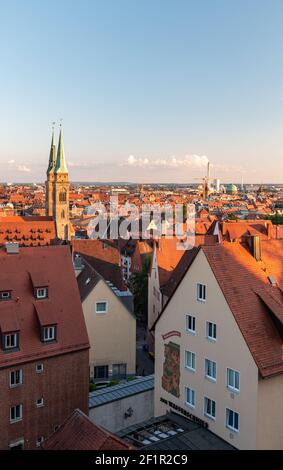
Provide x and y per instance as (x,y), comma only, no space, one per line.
(41,293)
(210,369)
(63,196)
(101,307)
(49,333)
(101,372)
(39,368)
(39,441)
(190,358)
(119,370)
(233,380)
(232,420)
(211,330)
(39,402)
(190,397)
(209,408)
(190,324)
(5,295)
(11,341)
(16,413)
(16,377)
(17,445)
(201,292)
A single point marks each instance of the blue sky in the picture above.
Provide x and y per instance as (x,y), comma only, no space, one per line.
(148,90)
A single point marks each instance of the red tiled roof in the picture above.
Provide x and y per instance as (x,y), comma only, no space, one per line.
(9,318)
(63,301)
(78,432)
(27,231)
(45,313)
(39,279)
(98,249)
(240,277)
(239,230)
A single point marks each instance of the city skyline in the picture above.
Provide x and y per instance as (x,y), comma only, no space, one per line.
(147,92)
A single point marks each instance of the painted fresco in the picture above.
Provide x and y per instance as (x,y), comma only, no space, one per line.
(171,369)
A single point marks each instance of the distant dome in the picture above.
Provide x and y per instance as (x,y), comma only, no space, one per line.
(231,188)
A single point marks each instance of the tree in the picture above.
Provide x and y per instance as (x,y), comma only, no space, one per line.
(139,289)
(276,219)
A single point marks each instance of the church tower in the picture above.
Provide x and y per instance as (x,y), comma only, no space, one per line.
(50,178)
(61,188)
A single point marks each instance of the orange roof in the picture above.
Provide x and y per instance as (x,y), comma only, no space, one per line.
(240,277)
(78,432)
(167,257)
(27,231)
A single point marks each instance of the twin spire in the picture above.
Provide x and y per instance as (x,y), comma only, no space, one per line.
(57,164)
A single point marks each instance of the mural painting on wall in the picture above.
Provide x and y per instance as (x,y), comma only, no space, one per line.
(171,369)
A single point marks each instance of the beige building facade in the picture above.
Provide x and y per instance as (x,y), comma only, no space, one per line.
(111,328)
(205,370)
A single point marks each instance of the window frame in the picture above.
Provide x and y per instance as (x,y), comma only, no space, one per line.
(191,369)
(41,368)
(46,339)
(14,371)
(41,297)
(41,404)
(9,297)
(230,387)
(188,330)
(17,342)
(208,415)
(119,365)
(105,377)
(200,287)
(106,307)
(209,377)
(231,428)
(211,338)
(16,420)
(187,403)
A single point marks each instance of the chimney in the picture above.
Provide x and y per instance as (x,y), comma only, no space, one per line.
(256,247)
(12,248)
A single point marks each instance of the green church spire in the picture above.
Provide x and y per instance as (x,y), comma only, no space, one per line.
(52,155)
(60,166)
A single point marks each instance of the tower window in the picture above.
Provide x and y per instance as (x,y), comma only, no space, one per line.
(63,196)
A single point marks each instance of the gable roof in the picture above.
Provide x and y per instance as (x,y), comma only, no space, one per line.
(65,309)
(78,432)
(241,278)
(89,278)
(256,305)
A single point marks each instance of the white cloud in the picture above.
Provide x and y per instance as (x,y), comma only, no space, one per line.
(11,162)
(189,161)
(23,169)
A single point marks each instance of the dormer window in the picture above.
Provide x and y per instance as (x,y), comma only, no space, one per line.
(41,293)
(5,295)
(48,333)
(10,341)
